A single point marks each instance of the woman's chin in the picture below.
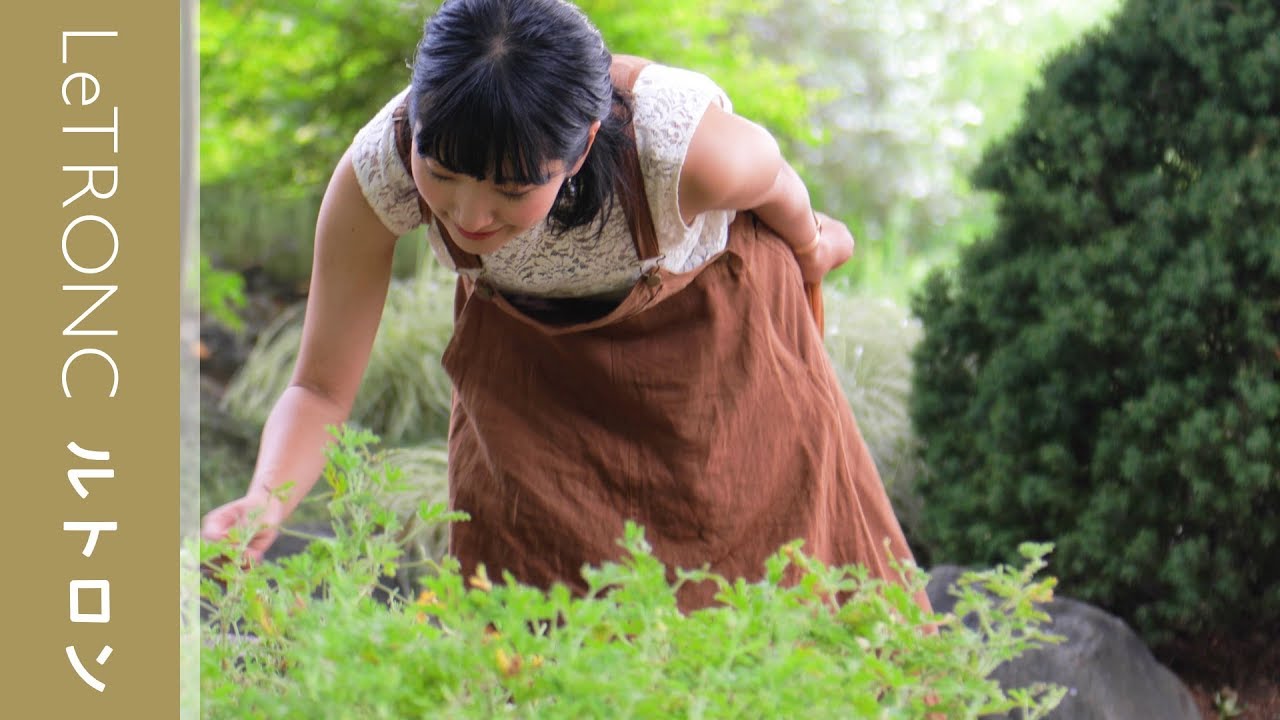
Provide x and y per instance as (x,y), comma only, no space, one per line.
(484,246)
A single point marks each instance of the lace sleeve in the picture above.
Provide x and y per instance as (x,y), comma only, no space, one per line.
(387,187)
(669,104)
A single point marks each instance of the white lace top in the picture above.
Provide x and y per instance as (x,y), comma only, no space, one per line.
(669,103)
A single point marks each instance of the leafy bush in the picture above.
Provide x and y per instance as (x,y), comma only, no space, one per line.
(305,638)
(1104,370)
(917,89)
(221,294)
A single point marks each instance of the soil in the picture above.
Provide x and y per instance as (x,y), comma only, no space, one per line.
(1218,670)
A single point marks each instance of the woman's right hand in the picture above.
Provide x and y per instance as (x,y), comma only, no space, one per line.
(833,249)
(354,253)
(256,513)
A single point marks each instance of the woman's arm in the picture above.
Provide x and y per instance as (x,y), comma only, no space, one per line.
(734,164)
(350,275)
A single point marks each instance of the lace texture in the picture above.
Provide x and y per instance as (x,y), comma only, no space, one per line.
(387,187)
(669,103)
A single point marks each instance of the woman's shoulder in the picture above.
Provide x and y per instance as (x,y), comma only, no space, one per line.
(659,84)
(380,171)
(669,102)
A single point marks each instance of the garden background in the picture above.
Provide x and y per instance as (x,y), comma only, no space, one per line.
(885,108)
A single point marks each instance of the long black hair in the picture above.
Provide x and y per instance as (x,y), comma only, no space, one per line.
(502,87)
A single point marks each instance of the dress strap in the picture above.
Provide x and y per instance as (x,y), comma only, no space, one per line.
(635,202)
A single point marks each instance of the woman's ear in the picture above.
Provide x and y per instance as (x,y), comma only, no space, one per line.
(591,139)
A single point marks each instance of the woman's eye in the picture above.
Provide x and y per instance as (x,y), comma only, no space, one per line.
(514,194)
(438,176)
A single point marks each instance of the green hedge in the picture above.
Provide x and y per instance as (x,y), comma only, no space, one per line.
(1104,370)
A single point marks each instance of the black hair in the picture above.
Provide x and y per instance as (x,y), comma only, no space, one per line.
(502,87)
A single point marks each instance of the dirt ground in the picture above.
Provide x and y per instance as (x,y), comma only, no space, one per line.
(1219,670)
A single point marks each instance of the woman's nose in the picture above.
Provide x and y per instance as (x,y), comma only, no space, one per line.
(472,212)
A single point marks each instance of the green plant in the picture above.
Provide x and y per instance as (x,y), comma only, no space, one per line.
(918,89)
(306,638)
(1102,369)
(425,472)
(1226,702)
(221,294)
(286,84)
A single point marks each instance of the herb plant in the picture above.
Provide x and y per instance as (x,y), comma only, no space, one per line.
(310,636)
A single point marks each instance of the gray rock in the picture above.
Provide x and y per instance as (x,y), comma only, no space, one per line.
(1108,672)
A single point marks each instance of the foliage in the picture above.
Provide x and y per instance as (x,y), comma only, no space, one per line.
(305,638)
(915,89)
(285,84)
(226,449)
(1104,369)
(425,469)
(709,37)
(221,294)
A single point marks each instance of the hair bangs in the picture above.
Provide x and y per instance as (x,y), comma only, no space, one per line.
(504,89)
(481,131)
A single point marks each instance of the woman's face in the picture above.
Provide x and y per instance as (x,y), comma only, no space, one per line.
(480,215)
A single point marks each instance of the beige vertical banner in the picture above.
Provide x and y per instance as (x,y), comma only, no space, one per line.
(90,302)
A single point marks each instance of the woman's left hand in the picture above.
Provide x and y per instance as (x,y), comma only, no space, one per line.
(834,248)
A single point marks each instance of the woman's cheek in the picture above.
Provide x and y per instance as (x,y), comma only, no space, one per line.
(533,209)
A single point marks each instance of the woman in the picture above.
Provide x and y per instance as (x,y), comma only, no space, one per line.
(632,338)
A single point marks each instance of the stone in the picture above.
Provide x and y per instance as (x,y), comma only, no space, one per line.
(1108,672)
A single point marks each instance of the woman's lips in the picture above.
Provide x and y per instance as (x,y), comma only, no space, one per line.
(477,237)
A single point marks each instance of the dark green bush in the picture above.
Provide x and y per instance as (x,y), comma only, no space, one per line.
(1104,370)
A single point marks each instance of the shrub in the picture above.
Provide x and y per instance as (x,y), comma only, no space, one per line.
(221,294)
(304,638)
(1104,370)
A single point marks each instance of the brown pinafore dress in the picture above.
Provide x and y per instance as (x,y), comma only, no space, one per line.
(704,407)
